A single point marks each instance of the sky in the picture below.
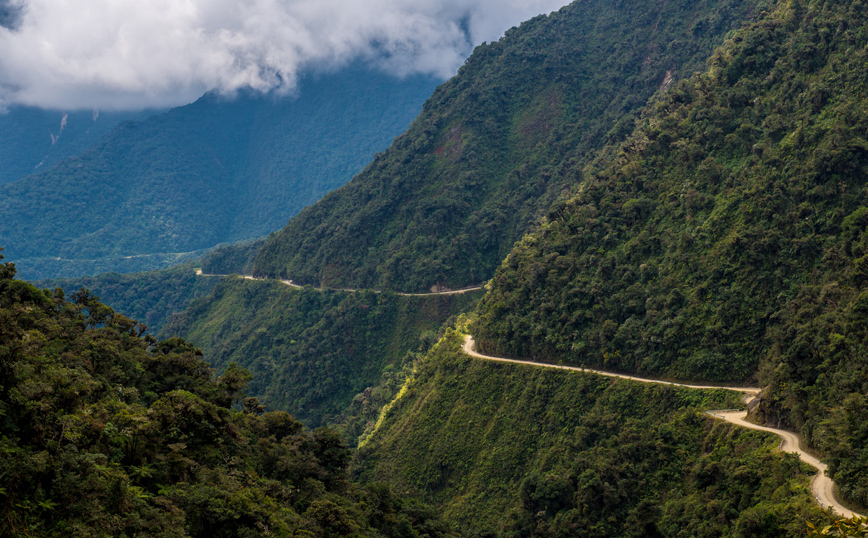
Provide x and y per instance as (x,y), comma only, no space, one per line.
(132,54)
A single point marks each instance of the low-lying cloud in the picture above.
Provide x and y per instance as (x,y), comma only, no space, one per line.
(143,53)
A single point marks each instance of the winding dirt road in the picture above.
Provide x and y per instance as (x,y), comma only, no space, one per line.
(470,348)
(822,487)
(290,283)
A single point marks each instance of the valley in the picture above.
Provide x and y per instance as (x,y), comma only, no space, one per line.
(612,280)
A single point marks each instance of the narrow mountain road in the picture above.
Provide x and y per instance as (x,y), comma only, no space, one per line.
(822,486)
(290,283)
(470,348)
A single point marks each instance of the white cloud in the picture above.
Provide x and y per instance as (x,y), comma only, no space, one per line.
(138,53)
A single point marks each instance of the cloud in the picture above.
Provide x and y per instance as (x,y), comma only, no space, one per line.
(141,53)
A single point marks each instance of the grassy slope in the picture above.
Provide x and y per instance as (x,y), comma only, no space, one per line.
(526,451)
(310,351)
(495,146)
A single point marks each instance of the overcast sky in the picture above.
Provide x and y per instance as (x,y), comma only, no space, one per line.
(140,53)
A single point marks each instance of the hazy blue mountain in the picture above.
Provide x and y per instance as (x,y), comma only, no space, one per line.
(218,170)
(33,139)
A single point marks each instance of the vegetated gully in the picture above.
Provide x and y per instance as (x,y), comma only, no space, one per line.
(822,486)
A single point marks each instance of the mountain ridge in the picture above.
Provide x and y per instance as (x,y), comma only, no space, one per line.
(445,203)
(214,171)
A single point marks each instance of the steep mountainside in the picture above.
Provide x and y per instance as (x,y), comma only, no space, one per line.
(33,139)
(726,239)
(214,171)
(107,433)
(522,451)
(497,144)
(311,351)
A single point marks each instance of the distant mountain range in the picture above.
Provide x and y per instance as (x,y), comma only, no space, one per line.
(215,171)
(33,140)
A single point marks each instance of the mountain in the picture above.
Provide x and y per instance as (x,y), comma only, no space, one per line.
(725,239)
(718,235)
(151,297)
(34,139)
(215,171)
(496,145)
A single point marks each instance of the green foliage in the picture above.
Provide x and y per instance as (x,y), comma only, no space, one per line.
(151,296)
(51,268)
(231,259)
(106,433)
(725,239)
(855,526)
(512,450)
(312,351)
(497,144)
(211,172)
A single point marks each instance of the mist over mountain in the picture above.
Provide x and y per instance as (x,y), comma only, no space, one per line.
(124,55)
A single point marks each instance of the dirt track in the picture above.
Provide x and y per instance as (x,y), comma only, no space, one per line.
(822,486)
(293,285)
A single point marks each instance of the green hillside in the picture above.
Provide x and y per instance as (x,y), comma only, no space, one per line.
(215,171)
(725,239)
(497,144)
(106,433)
(522,451)
(312,351)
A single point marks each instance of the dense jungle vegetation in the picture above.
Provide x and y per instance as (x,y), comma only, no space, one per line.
(214,171)
(522,451)
(313,351)
(497,144)
(106,432)
(151,297)
(232,259)
(154,296)
(726,239)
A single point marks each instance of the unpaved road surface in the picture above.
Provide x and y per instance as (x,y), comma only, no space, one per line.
(293,285)
(822,486)
(470,349)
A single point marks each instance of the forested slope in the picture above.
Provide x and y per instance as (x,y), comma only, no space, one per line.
(108,433)
(726,239)
(33,139)
(497,144)
(215,171)
(151,297)
(522,451)
(312,351)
